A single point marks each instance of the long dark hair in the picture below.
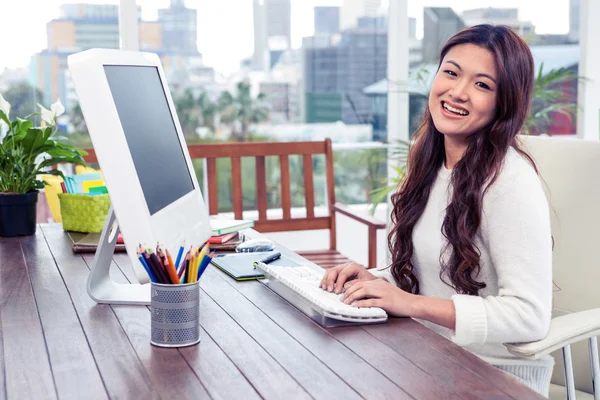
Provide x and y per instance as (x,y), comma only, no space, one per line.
(473,174)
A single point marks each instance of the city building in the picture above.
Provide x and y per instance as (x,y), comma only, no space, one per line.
(498,16)
(78,27)
(272,32)
(548,40)
(327,20)
(279,97)
(178,27)
(334,76)
(287,73)
(419,83)
(352,10)
(83,26)
(439,23)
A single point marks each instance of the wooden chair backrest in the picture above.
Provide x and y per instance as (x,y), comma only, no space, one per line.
(235,151)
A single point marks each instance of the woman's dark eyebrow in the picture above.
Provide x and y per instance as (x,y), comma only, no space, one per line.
(460,69)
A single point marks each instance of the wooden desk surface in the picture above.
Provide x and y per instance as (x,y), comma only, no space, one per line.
(56,342)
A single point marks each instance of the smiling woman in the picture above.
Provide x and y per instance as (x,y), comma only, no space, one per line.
(471,243)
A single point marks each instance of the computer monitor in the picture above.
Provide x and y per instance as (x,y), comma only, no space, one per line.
(141,150)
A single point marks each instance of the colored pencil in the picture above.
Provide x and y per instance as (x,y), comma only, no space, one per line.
(179,254)
(171,268)
(147,268)
(204,264)
(161,271)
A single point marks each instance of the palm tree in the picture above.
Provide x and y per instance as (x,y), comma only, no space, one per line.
(208,111)
(194,111)
(185,105)
(552,94)
(241,110)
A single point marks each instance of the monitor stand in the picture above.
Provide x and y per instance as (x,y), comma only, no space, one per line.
(100,286)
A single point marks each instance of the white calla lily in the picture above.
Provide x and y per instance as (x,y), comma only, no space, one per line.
(47,115)
(4,105)
(57,108)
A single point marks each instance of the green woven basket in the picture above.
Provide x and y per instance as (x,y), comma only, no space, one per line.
(83,213)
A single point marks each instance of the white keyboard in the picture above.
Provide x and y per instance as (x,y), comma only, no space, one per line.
(304,282)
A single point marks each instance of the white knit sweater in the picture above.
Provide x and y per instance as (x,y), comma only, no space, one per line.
(516,265)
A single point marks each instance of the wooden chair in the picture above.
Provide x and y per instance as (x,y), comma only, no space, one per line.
(326,258)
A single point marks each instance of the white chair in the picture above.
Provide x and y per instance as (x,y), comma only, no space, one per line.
(571,171)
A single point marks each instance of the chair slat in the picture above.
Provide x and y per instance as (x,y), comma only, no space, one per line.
(261,188)
(286,203)
(330,192)
(309,188)
(236,187)
(213,192)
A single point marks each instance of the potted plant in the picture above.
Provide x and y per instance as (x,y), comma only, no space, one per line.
(26,152)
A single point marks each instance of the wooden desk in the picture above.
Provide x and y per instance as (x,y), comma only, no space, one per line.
(56,342)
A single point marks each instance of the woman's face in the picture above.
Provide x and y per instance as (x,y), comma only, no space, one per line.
(463,95)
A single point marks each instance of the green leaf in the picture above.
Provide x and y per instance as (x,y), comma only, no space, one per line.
(27,142)
(4,117)
(22,125)
(57,160)
(55,172)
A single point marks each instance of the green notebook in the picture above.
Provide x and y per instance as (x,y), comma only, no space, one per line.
(224,226)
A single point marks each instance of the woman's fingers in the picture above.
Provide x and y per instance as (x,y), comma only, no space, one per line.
(358,291)
(349,284)
(367,303)
(330,277)
(343,276)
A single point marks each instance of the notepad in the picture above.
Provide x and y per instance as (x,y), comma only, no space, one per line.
(78,181)
(224,226)
(240,266)
(88,185)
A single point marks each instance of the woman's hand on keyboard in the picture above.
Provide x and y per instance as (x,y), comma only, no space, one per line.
(335,278)
(380,293)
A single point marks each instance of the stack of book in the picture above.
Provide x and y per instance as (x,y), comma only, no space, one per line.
(226,233)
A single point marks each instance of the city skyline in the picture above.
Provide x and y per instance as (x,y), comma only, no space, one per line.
(234,30)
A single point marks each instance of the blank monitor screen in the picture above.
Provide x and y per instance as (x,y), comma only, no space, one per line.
(150,133)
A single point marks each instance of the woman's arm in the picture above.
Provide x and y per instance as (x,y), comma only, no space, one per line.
(438,311)
(516,232)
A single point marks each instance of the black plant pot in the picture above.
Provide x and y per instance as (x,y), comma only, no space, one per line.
(18,214)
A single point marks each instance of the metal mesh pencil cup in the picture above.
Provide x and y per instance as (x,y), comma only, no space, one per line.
(175,314)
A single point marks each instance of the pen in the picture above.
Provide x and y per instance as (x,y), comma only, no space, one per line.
(269,259)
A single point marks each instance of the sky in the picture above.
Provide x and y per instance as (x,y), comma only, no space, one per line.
(225,27)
